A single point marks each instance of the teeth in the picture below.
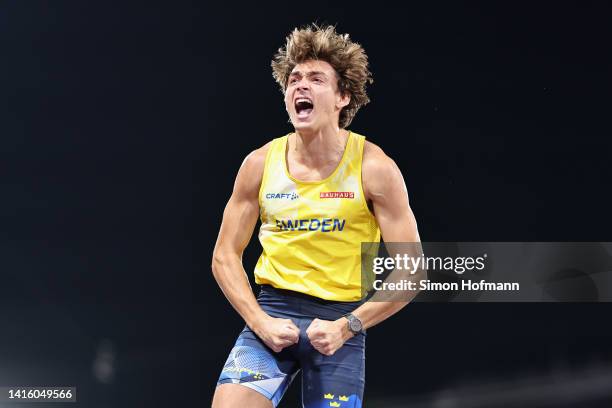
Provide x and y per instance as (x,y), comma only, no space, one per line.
(303,100)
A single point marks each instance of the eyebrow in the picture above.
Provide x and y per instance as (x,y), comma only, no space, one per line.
(309,73)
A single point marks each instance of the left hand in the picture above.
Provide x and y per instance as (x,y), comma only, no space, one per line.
(328,336)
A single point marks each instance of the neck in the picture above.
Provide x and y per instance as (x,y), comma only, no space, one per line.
(319,146)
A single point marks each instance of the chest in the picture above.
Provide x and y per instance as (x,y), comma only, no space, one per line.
(300,170)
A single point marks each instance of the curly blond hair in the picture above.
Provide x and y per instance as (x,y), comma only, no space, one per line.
(348,59)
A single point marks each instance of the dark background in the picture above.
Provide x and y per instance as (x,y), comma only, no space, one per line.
(122,128)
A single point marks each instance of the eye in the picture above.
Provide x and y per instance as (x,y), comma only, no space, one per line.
(293,80)
(317,80)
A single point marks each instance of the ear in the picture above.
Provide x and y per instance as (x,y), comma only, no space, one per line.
(342,100)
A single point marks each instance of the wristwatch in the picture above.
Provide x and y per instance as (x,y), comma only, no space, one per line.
(354,324)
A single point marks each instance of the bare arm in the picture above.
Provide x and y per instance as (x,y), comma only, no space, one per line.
(239,220)
(385,188)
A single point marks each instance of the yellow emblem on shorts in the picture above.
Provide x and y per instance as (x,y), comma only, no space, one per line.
(328,396)
(334,404)
(343,398)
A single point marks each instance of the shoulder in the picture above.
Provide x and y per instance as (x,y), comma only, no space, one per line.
(376,163)
(251,171)
(256,159)
(380,174)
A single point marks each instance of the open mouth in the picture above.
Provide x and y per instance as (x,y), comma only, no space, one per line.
(303,107)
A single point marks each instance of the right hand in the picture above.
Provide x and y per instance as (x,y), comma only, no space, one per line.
(277,333)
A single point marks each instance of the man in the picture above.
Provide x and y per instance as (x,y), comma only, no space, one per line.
(319,191)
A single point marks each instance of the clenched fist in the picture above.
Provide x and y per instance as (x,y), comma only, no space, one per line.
(277,333)
(328,336)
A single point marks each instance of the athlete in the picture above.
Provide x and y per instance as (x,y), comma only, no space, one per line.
(320,192)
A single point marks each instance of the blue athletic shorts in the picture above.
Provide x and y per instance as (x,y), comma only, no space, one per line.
(327,381)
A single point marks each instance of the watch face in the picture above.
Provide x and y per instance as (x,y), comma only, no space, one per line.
(355,325)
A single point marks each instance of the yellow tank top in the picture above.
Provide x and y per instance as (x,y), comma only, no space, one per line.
(311,231)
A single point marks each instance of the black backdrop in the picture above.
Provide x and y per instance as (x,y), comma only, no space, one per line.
(122,128)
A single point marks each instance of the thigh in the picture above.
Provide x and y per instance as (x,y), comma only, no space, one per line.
(251,364)
(337,380)
(235,395)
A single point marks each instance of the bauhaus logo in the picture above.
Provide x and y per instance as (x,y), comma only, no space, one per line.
(336,194)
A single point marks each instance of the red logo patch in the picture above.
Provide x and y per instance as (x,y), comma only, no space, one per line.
(336,194)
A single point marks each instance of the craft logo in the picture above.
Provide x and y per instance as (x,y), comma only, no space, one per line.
(336,194)
(282,196)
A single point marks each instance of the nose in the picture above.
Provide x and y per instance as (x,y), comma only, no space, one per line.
(302,84)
